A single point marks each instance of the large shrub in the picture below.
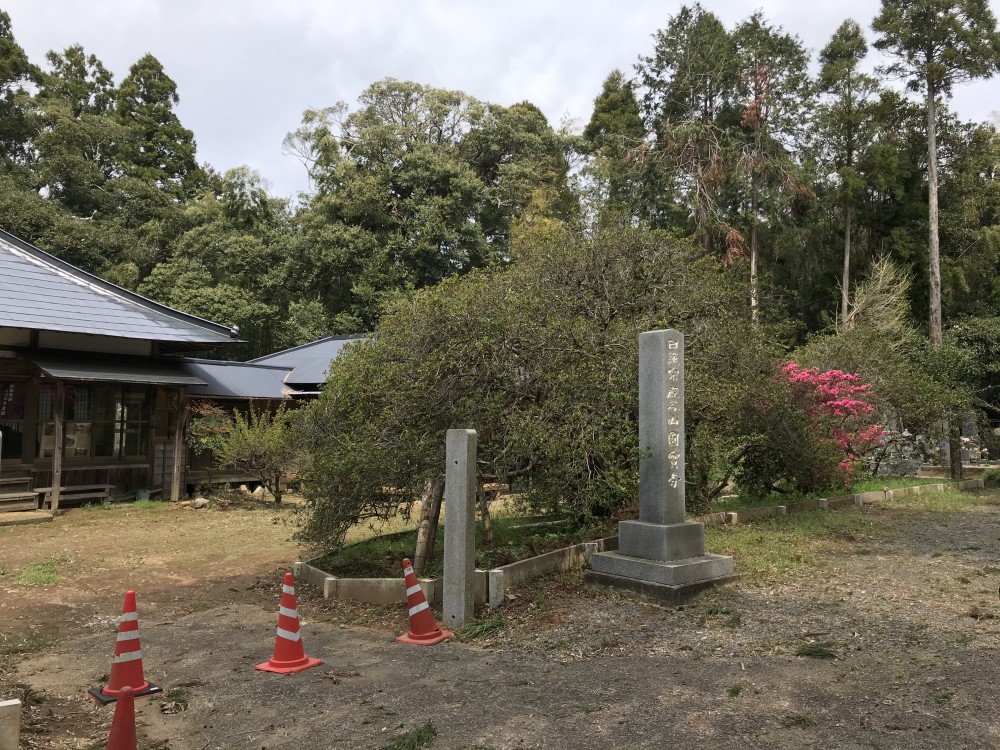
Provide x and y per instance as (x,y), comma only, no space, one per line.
(541,358)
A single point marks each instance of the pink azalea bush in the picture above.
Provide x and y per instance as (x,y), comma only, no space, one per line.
(838,406)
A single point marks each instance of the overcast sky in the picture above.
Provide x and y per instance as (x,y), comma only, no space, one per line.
(246,69)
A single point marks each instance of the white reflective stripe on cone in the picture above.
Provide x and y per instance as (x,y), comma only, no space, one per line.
(127,656)
(128,635)
(408,572)
(128,617)
(419,608)
(413,589)
(288,612)
(288,635)
(288,589)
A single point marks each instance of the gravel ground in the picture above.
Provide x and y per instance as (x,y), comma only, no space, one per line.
(904,605)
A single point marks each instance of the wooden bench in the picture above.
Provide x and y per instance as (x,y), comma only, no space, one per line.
(76,494)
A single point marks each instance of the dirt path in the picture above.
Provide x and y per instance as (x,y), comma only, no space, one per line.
(179,561)
(902,599)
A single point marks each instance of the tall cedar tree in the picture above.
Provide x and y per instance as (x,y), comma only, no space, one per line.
(689,86)
(614,130)
(157,148)
(936,44)
(846,127)
(775,94)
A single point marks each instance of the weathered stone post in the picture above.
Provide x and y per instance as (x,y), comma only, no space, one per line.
(10,725)
(459,527)
(661,555)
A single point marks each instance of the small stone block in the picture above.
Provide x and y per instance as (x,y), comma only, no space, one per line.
(840,502)
(497,590)
(671,596)
(651,541)
(10,725)
(823,503)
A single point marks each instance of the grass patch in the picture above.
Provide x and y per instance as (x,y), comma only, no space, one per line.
(30,643)
(413,740)
(786,543)
(481,628)
(382,556)
(729,618)
(734,691)
(817,650)
(135,504)
(42,573)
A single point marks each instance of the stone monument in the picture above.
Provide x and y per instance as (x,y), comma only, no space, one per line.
(661,555)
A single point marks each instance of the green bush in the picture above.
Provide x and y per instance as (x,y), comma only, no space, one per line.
(541,358)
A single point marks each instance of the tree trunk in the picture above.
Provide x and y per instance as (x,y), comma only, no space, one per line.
(436,501)
(955,448)
(484,499)
(933,246)
(430,512)
(754,296)
(845,296)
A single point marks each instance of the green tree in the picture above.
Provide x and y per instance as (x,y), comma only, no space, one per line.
(935,45)
(78,139)
(16,74)
(689,90)
(615,130)
(157,148)
(415,185)
(775,96)
(845,125)
(259,443)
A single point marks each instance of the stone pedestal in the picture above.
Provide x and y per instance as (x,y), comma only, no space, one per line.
(661,555)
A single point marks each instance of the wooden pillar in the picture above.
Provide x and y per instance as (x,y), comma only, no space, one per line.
(180,451)
(58,412)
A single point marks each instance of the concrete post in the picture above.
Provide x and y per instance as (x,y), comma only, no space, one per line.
(459,527)
(10,725)
(661,426)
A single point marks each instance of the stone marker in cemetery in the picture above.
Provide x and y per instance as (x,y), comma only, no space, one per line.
(10,724)
(460,527)
(661,555)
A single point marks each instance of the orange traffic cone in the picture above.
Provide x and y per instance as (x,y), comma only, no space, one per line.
(289,655)
(122,735)
(423,630)
(126,667)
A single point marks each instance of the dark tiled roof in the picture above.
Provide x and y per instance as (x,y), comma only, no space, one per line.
(92,366)
(236,380)
(308,363)
(40,292)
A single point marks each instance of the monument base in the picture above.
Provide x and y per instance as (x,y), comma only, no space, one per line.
(670,582)
(665,572)
(672,596)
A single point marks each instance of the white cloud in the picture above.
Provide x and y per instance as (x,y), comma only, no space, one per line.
(246,69)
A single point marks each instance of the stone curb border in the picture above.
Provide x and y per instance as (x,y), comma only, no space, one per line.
(828,503)
(491,585)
